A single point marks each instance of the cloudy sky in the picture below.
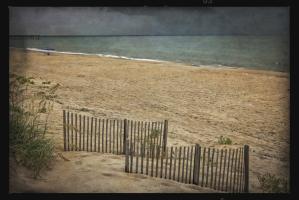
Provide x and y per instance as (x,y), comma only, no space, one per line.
(148,21)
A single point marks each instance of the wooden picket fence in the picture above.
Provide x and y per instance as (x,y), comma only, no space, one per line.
(84,133)
(224,170)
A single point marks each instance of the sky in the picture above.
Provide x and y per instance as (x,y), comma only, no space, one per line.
(148,20)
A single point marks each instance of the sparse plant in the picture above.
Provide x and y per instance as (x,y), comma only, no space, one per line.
(224,140)
(271,184)
(28,121)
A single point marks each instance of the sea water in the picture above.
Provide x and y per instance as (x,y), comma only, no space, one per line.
(255,52)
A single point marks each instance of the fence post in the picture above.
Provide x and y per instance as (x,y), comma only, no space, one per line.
(246,168)
(125,135)
(196,165)
(165,131)
(127,156)
(64,131)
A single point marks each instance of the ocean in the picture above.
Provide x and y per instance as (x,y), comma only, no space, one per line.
(254,52)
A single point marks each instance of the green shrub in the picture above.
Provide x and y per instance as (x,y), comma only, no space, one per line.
(28,120)
(224,140)
(271,184)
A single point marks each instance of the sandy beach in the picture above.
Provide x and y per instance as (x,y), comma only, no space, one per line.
(201,103)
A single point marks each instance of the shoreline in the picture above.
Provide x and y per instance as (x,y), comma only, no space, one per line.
(212,66)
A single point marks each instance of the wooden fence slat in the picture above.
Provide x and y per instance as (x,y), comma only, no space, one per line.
(110,135)
(221,158)
(68,130)
(239,170)
(80,132)
(113,137)
(166,164)
(228,163)
(142,156)
(246,168)
(212,168)
(99,135)
(138,127)
(132,155)
(127,153)
(216,170)
(183,165)
(187,165)
(208,163)
(163,154)
(242,172)
(83,141)
(126,134)
(141,134)
(91,133)
(117,136)
(137,155)
(76,133)
(106,139)
(152,157)
(174,164)
(231,170)
(165,132)
(147,159)
(224,165)
(179,167)
(87,132)
(103,134)
(235,169)
(203,166)
(157,159)
(191,167)
(64,131)
(170,156)
(72,131)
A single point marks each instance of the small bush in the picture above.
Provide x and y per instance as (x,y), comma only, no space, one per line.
(224,140)
(271,184)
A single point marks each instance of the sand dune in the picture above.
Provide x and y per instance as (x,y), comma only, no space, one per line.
(201,103)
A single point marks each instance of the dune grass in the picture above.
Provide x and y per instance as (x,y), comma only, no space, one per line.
(28,123)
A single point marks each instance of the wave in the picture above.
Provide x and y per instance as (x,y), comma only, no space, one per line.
(91,54)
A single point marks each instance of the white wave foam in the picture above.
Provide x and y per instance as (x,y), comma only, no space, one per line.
(89,54)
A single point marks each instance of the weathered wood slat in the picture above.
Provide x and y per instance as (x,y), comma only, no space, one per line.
(64,130)
(163,154)
(99,135)
(137,143)
(208,163)
(117,136)
(72,131)
(224,165)
(212,168)
(238,170)
(110,135)
(191,166)
(153,159)
(227,172)
(166,164)
(183,165)
(174,163)
(142,156)
(87,134)
(231,170)
(83,141)
(127,153)
(179,167)
(103,134)
(235,169)
(131,156)
(95,133)
(242,172)
(76,132)
(216,170)
(147,159)
(80,133)
(157,160)
(203,167)
(91,133)
(220,174)
(246,168)
(113,137)
(187,165)
(170,168)
(165,132)
(106,138)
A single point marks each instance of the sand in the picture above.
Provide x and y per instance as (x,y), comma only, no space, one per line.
(201,103)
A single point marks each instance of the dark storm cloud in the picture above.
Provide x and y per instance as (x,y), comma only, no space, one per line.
(148,21)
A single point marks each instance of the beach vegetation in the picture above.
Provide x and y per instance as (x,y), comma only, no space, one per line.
(224,140)
(269,183)
(29,112)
